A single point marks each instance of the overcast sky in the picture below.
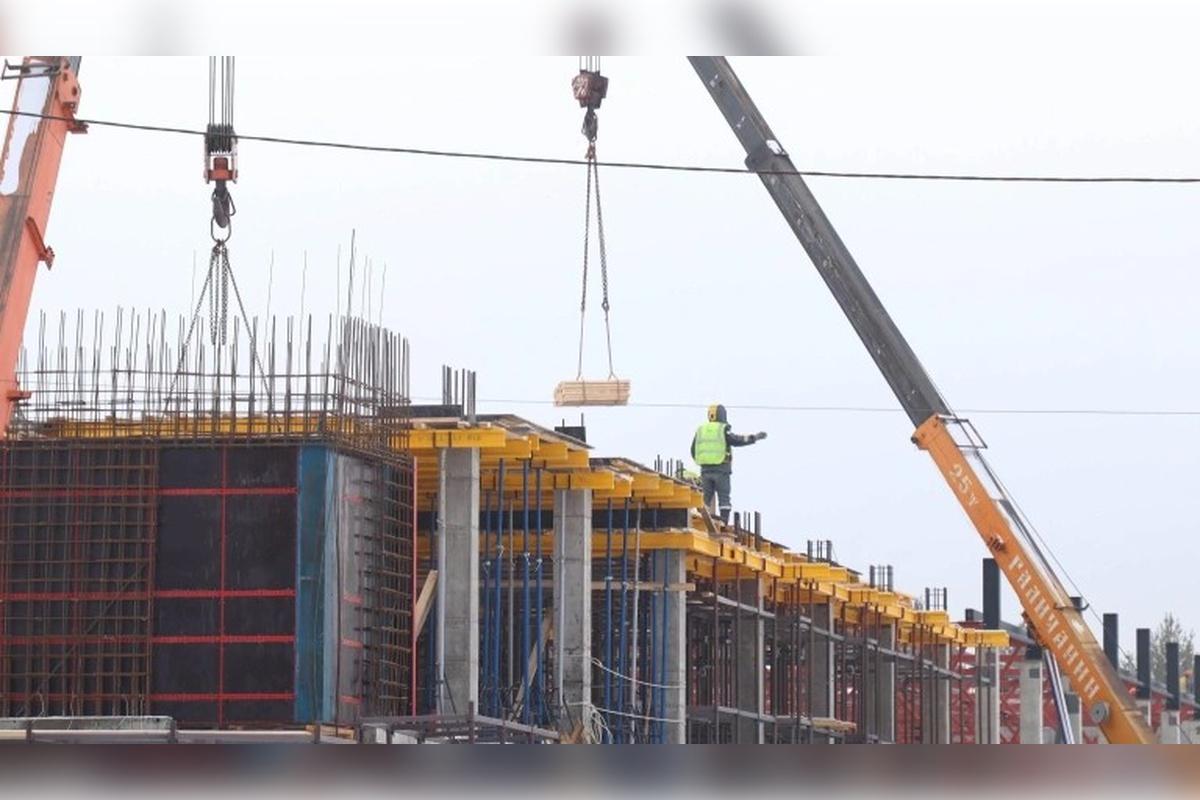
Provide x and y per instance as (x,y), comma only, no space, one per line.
(1014,296)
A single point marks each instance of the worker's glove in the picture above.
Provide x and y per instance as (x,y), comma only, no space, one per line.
(758,437)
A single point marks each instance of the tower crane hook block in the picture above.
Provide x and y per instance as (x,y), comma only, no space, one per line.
(611,392)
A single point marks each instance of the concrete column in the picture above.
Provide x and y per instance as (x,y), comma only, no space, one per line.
(1145,706)
(1075,716)
(822,667)
(881,689)
(1169,729)
(943,695)
(935,703)
(870,685)
(573,599)
(750,662)
(987,708)
(458,581)
(671,568)
(1031,692)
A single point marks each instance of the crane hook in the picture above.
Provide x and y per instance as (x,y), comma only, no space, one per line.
(223,210)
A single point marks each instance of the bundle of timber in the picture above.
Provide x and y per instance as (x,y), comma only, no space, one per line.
(611,392)
(832,725)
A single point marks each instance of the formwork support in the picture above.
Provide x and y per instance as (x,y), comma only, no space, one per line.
(458,571)
(573,601)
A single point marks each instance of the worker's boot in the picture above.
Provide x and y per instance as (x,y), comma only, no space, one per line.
(725,515)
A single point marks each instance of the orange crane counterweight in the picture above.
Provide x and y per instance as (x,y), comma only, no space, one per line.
(45,102)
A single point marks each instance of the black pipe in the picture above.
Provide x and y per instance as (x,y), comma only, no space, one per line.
(1112,640)
(1143,663)
(991,594)
(1172,653)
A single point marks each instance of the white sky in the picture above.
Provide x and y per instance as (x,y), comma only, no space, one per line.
(1013,296)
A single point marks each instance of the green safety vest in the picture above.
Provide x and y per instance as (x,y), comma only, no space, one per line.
(711,448)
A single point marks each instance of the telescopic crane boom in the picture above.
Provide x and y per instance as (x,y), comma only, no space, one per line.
(950,440)
(47,86)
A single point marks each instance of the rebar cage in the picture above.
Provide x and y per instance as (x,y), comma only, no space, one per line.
(153,516)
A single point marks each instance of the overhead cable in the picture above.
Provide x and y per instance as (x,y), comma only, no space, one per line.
(634,165)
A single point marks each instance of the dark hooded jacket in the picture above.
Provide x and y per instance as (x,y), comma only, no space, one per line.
(732,440)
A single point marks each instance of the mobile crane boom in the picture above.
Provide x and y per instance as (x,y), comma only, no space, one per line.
(47,86)
(950,440)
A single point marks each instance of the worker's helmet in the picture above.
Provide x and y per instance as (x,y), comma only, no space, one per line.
(716,413)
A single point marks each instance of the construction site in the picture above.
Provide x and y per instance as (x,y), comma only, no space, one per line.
(216,527)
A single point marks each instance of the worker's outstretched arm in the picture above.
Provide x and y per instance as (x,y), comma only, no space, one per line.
(740,440)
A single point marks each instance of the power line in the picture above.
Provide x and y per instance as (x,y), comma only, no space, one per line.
(637,165)
(849,409)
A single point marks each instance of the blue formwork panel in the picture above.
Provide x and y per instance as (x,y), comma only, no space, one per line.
(311,515)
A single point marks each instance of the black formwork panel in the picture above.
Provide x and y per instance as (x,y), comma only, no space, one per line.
(77,521)
(138,577)
(225,596)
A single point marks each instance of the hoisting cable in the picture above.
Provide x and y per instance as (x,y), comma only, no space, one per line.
(220,145)
(590,88)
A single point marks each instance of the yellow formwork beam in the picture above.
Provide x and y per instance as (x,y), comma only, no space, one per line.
(166,427)
(550,451)
(979,637)
(623,487)
(513,450)
(646,483)
(438,438)
(514,480)
(932,618)
(815,571)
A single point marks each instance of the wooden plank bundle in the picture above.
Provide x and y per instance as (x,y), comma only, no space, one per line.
(611,392)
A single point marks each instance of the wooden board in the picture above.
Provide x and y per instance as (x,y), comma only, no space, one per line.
(613,392)
(425,601)
(833,725)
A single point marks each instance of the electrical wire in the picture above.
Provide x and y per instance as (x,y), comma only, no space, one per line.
(638,165)
(598,663)
(851,409)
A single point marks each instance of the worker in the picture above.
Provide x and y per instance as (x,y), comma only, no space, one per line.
(711,449)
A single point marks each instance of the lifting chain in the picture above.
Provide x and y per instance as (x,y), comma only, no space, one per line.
(219,273)
(590,88)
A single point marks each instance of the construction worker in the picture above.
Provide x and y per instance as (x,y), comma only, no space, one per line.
(711,449)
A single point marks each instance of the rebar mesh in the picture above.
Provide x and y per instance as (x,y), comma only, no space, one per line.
(126,377)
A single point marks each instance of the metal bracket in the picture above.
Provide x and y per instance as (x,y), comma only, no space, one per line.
(44,252)
(13,72)
(761,157)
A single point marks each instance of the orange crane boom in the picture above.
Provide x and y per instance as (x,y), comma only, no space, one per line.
(47,86)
